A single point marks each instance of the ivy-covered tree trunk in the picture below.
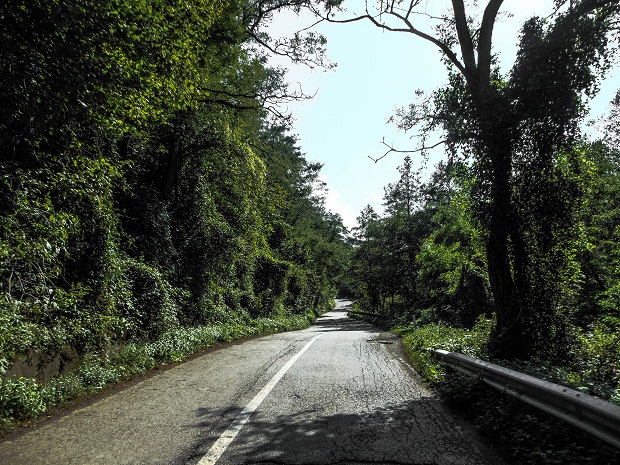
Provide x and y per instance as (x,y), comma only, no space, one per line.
(509,337)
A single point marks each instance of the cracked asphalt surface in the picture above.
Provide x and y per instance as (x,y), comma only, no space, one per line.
(351,398)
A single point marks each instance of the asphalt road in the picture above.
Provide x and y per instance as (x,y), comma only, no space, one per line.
(339,392)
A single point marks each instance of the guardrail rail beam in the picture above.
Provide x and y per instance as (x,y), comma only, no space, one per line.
(591,414)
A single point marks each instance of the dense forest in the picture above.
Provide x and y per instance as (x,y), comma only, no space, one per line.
(515,235)
(508,250)
(150,187)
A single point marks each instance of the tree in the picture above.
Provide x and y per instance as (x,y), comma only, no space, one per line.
(491,117)
(366,264)
(405,229)
(144,182)
(599,297)
(452,278)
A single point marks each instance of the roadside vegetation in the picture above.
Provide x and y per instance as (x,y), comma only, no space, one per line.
(524,435)
(25,399)
(422,264)
(508,249)
(153,201)
(535,252)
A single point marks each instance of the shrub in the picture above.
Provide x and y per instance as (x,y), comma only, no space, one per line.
(24,398)
(525,435)
(436,336)
(154,302)
(598,366)
(20,399)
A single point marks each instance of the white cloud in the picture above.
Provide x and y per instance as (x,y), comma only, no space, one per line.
(335,205)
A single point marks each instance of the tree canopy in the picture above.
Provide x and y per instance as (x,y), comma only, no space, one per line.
(519,133)
(148,179)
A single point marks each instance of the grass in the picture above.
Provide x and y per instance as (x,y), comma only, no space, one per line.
(24,399)
(523,434)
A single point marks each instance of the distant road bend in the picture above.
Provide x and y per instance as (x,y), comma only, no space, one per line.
(336,393)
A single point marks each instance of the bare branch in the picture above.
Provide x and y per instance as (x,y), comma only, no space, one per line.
(424,147)
(418,150)
(276,97)
(229,104)
(412,5)
(485,42)
(408,27)
(311,26)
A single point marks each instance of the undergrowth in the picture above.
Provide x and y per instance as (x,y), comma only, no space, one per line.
(525,435)
(24,399)
(417,340)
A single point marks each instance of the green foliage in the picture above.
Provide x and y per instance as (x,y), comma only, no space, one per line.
(452,277)
(57,240)
(427,252)
(598,359)
(118,64)
(154,305)
(522,433)
(22,399)
(518,136)
(147,200)
(598,258)
(437,336)
(526,226)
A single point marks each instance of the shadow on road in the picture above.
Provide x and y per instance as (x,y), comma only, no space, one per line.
(337,320)
(350,423)
(415,432)
(328,322)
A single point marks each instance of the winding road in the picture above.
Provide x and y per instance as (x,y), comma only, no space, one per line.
(339,392)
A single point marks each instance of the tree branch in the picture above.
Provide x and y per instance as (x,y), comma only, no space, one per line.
(264,97)
(465,40)
(418,150)
(409,28)
(256,12)
(283,49)
(449,140)
(485,43)
(229,104)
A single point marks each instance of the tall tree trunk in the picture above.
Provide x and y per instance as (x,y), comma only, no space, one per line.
(508,337)
(496,124)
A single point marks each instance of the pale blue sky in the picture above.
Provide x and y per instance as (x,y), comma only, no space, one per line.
(378,72)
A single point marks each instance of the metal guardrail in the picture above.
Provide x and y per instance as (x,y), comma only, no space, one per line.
(589,413)
(374,315)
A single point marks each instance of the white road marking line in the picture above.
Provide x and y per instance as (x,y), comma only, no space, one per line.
(229,435)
